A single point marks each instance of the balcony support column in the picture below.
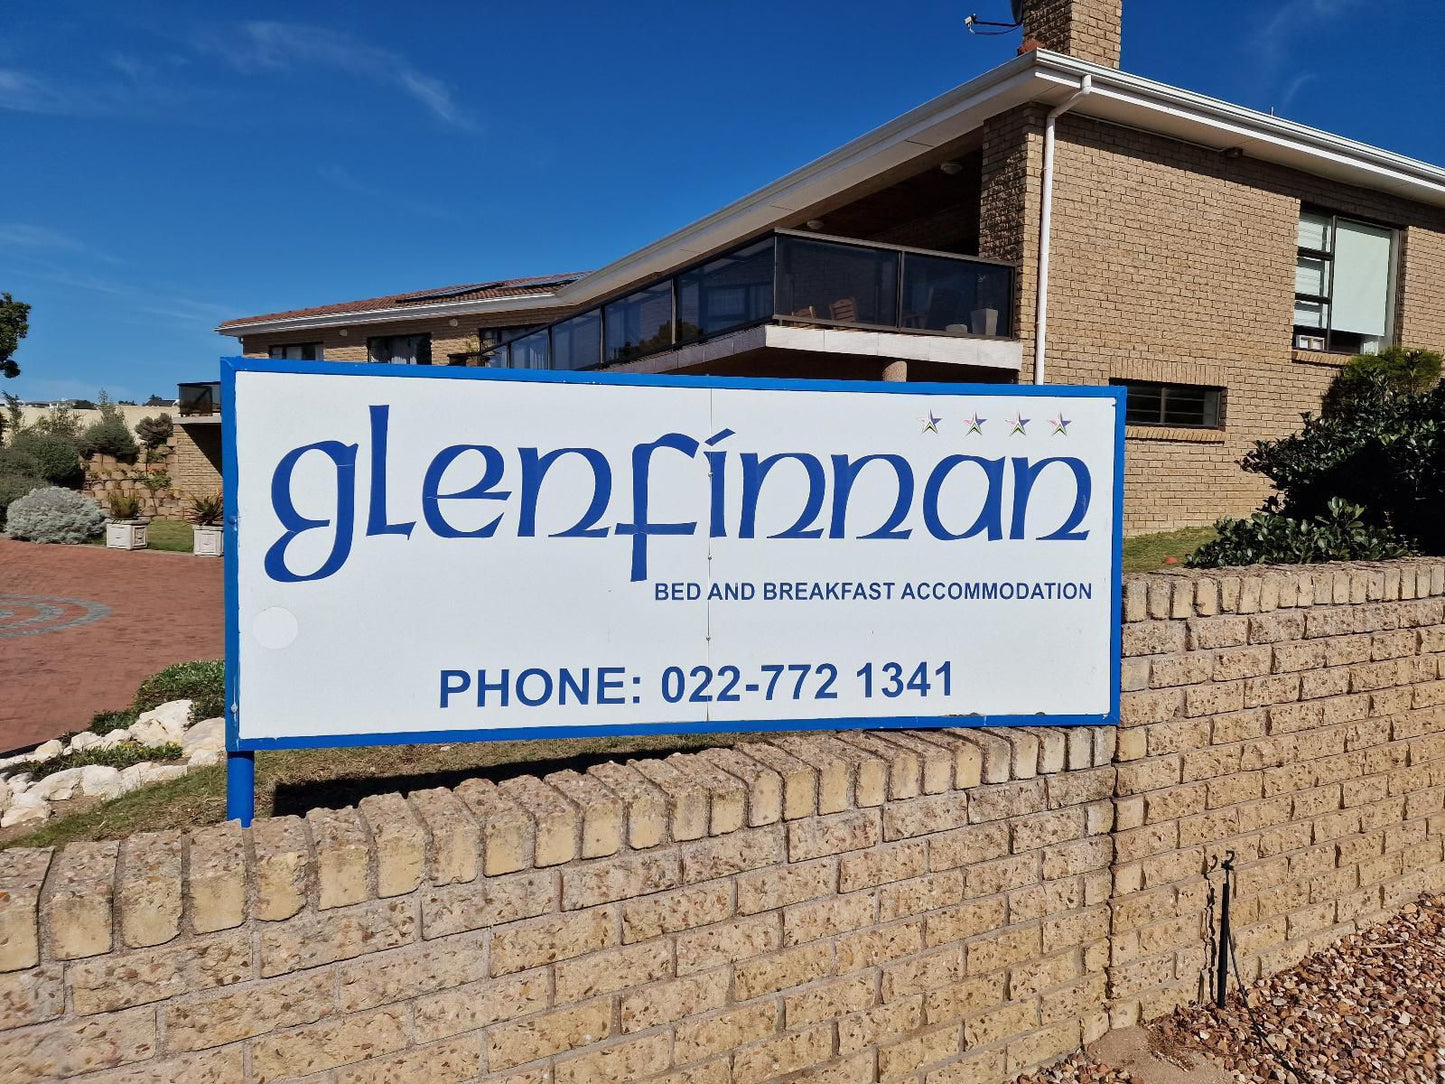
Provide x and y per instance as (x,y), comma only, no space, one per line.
(895,371)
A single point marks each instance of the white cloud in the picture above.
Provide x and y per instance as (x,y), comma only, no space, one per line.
(22,92)
(279,46)
(20,234)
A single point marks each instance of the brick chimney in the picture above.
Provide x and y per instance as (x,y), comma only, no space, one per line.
(1087,29)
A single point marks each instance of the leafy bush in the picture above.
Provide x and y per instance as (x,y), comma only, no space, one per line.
(103,722)
(15,486)
(121,755)
(108,438)
(55,515)
(156,482)
(61,421)
(206,511)
(55,456)
(1392,372)
(123,506)
(1384,451)
(17,461)
(202,682)
(1268,538)
(154,432)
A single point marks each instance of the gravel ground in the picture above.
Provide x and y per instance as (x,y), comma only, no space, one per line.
(1368,1010)
(1371,1008)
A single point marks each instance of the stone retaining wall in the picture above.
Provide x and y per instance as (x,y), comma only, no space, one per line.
(926,906)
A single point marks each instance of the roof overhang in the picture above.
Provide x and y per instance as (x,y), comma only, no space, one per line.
(1037,76)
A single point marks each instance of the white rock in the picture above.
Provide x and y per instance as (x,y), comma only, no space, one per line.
(84,740)
(131,778)
(18,782)
(161,773)
(204,758)
(114,738)
(208,734)
(4,794)
(100,781)
(57,786)
(23,811)
(166,723)
(10,762)
(47,751)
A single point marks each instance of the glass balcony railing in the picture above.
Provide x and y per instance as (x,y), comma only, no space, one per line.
(786,277)
(201,399)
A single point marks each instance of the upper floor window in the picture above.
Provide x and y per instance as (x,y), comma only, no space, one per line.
(1344,284)
(296,352)
(399,349)
(490,337)
(1185,406)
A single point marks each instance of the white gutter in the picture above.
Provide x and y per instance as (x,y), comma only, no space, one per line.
(1046,224)
(432,310)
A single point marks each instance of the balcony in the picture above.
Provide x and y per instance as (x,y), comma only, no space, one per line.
(199,401)
(796,292)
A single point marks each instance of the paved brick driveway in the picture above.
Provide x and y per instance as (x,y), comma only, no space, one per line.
(82,626)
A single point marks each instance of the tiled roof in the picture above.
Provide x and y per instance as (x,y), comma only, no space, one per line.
(469,291)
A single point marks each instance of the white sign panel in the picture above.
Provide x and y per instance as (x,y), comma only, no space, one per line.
(429,555)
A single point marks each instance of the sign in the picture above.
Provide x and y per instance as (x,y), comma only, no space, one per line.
(423,555)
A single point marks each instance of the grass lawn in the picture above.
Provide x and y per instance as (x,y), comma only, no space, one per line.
(1146,552)
(293,781)
(164,534)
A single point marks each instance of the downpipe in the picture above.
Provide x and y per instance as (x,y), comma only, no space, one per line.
(1046,222)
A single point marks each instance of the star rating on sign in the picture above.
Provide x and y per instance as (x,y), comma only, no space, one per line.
(930,423)
(1017,424)
(975,424)
(1061,425)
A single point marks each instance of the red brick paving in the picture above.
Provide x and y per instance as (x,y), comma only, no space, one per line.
(164,608)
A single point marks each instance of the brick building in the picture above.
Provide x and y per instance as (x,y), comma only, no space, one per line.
(1220,262)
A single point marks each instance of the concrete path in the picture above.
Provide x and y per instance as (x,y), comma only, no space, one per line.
(82,626)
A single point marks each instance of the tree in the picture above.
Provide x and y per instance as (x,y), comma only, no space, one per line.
(14,324)
(156,400)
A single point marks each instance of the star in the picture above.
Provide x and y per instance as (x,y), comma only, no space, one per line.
(930,423)
(1061,425)
(1018,423)
(975,424)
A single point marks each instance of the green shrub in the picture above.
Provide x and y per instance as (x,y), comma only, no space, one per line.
(202,682)
(56,457)
(107,437)
(61,421)
(103,722)
(54,515)
(1393,371)
(206,510)
(123,507)
(1269,538)
(154,432)
(122,755)
(1384,452)
(17,461)
(15,486)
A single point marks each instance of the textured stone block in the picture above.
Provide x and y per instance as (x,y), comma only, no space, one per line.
(478,1005)
(557,822)
(246,1011)
(508,834)
(78,912)
(732,854)
(613,970)
(283,853)
(122,980)
(216,882)
(71,1047)
(688,808)
(22,873)
(454,833)
(509,1045)
(602,812)
(666,1002)
(328,1044)
(675,911)
(537,941)
(342,857)
(644,804)
(31,996)
(401,974)
(489,902)
(763,787)
(448,1062)
(340,934)
(400,843)
(725,1031)
(619,1062)
(148,892)
(628,877)
(799,779)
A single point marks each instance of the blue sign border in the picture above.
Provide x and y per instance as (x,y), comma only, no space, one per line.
(230,366)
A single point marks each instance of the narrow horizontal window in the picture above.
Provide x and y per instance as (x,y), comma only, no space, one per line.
(1182,406)
(296,352)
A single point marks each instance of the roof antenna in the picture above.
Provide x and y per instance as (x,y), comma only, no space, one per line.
(996,29)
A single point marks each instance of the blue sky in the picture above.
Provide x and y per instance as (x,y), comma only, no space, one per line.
(168,166)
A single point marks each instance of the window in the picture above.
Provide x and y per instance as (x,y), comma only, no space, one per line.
(1184,406)
(297,351)
(399,349)
(1343,284)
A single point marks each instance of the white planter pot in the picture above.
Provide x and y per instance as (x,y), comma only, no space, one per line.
(125,535)
(208,541)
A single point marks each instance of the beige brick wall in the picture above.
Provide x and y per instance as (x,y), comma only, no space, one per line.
(1088,29)
(919,906)
(196,459)
(1171,262)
